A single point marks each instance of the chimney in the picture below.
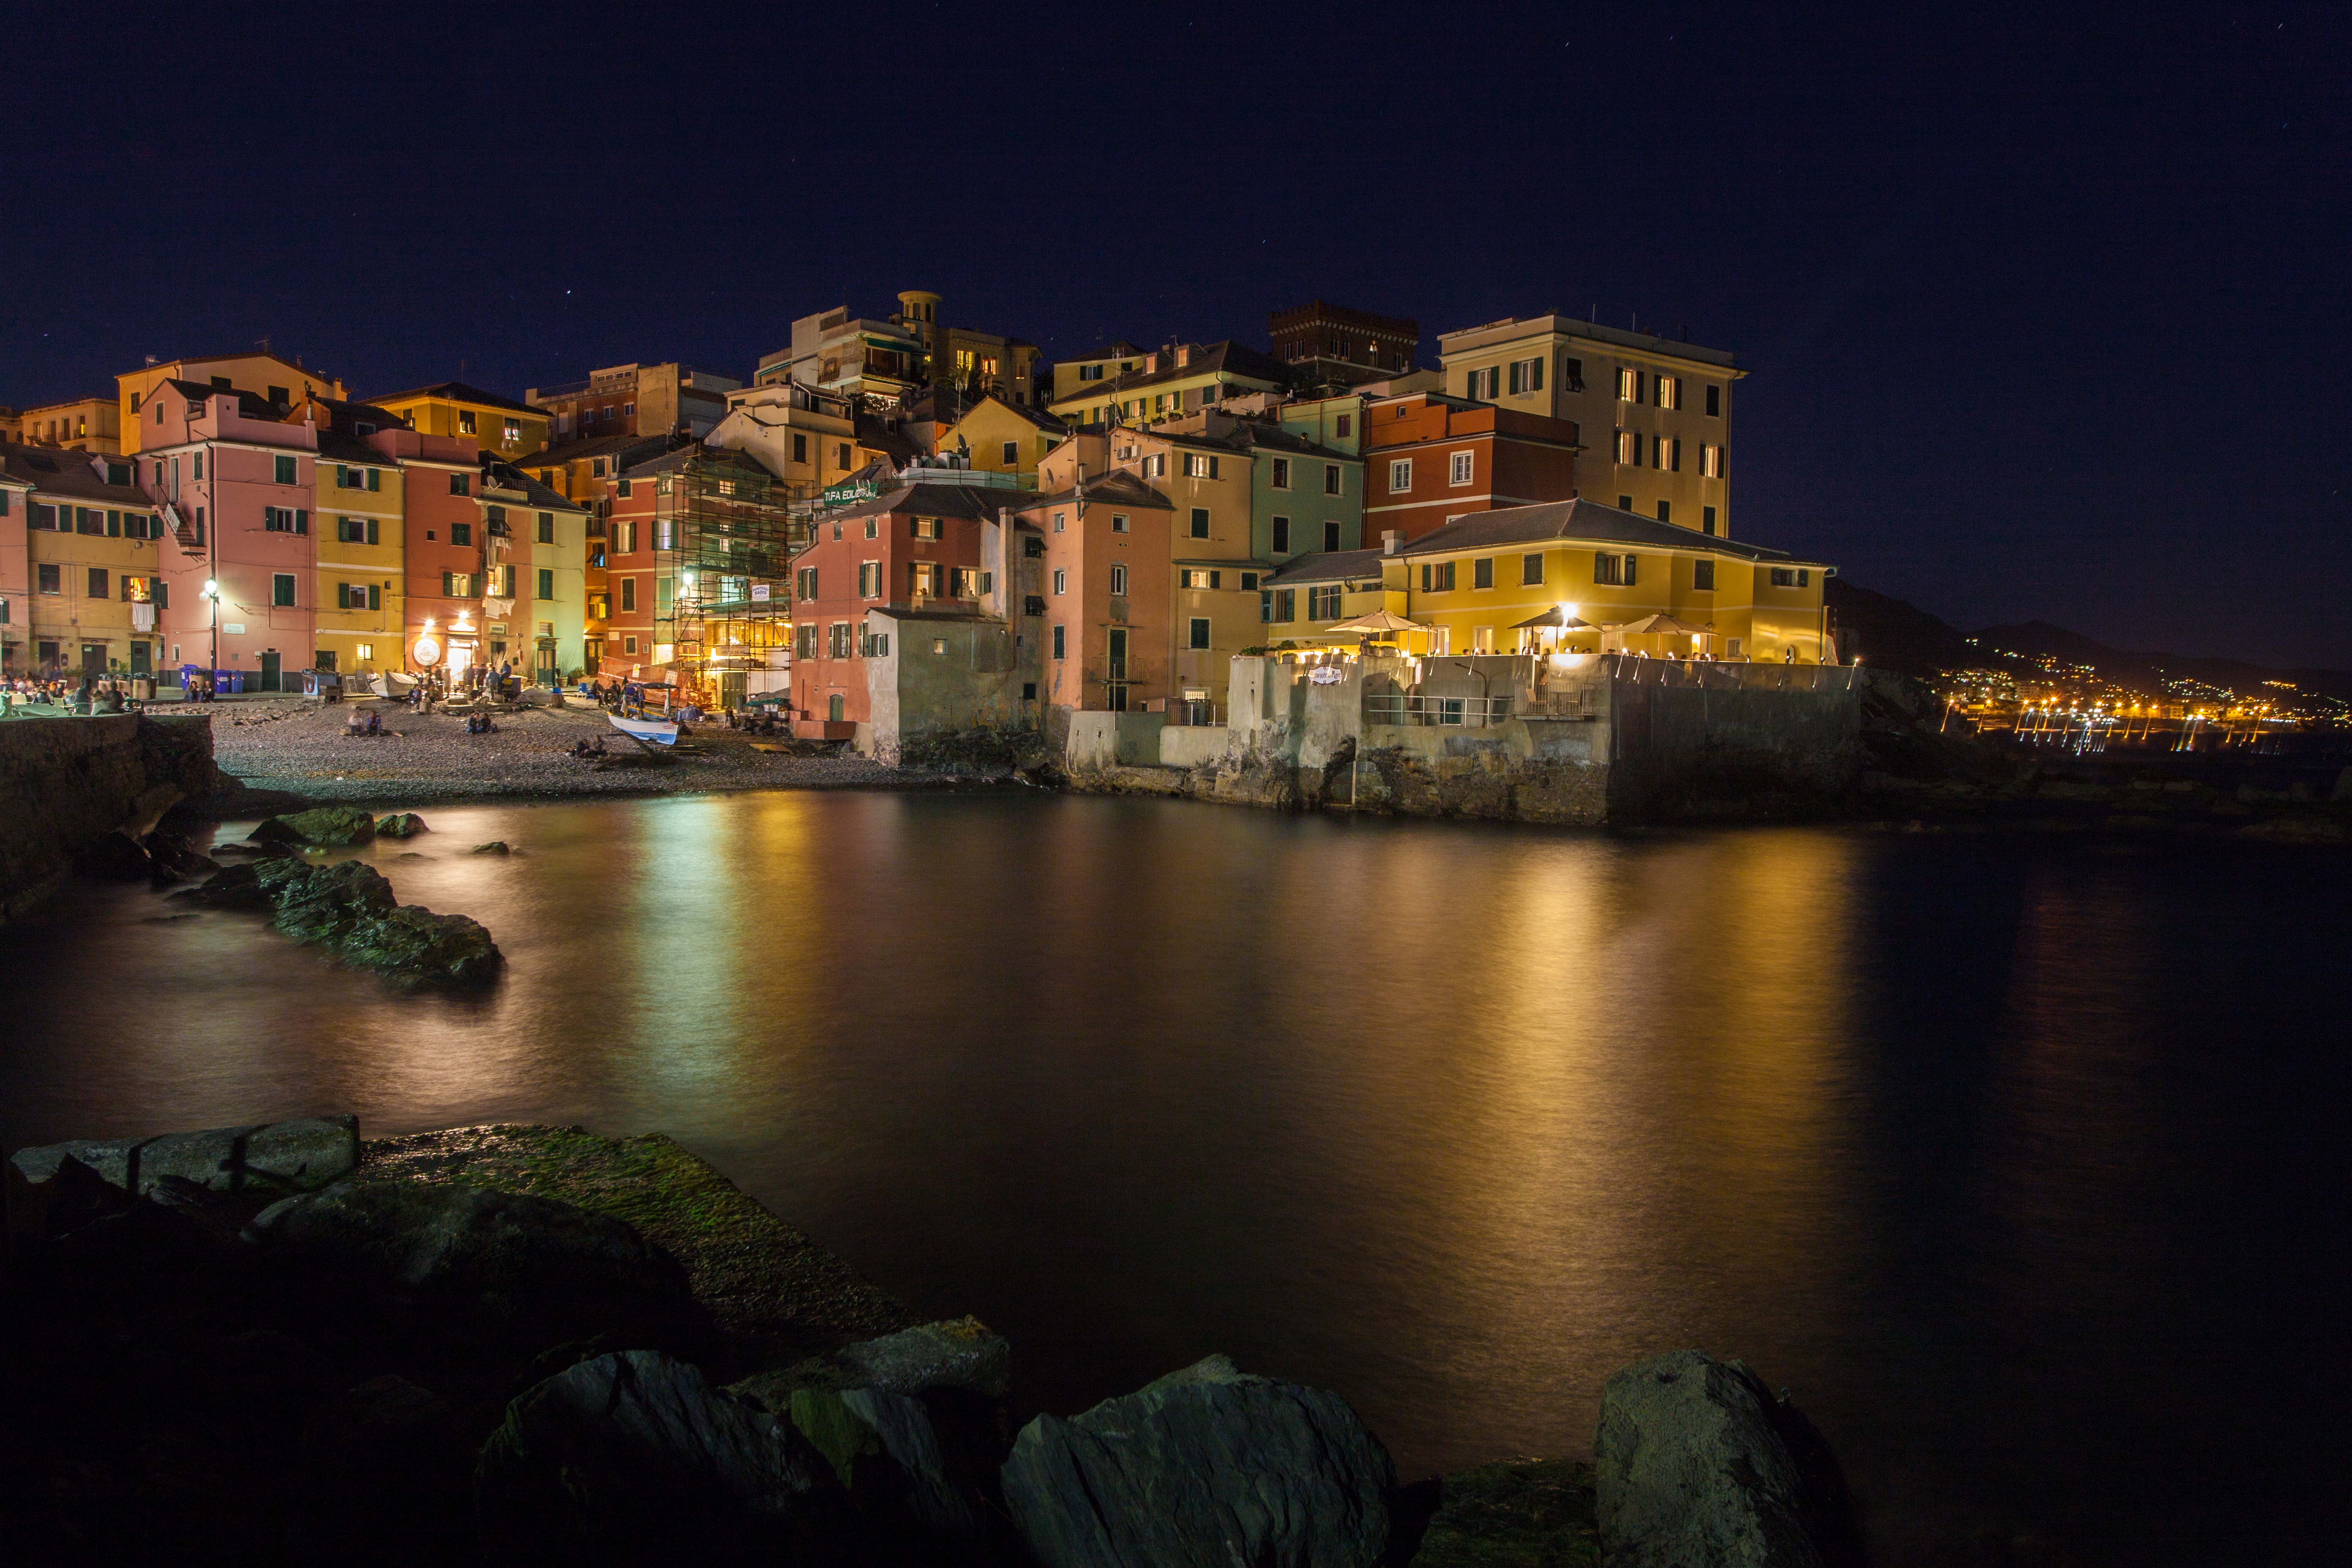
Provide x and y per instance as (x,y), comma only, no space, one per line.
(1392,541)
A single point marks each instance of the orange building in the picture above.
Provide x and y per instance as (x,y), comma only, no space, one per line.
(1430,458)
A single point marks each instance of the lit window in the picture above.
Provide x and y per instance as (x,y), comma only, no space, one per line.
(1710,461)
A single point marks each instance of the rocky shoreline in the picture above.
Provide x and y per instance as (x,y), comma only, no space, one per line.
(525,1344)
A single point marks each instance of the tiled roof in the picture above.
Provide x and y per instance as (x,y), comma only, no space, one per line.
(1227,357)
(1328,567)
(56,472)
(623,446)
(1577,520)
(250,405)
(507,477)
(1044,422)
(1118,488)
(458,392)
(976,502)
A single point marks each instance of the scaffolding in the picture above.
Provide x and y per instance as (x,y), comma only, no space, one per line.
(725,531)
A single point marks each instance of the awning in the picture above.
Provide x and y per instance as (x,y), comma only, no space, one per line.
(1663,625)
(1557,616)
(1380,623)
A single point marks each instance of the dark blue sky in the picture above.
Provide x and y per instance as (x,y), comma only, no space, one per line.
(2044,309)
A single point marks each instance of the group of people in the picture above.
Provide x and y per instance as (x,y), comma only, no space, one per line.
(364,721)
(92,694)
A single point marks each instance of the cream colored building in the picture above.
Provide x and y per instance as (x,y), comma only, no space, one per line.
(1654,413)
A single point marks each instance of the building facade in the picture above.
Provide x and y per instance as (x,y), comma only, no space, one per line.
(269,381)
(1430,458)
(1106,581)
(500,426)
(1656,413)
(669,399)
(82,424)
(81,582)
(1333,346)
(1170,382)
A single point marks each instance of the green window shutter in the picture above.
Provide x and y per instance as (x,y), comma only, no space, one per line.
(376,479)
(371,531)
(375,597)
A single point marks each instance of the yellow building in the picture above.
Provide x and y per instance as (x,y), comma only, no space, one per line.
(1591,576)
(283,384)
(361,530)
(1003,438)
(82,423)
(1073,378)
(505,427)
(1168,382)
(1655,414)
(93,582)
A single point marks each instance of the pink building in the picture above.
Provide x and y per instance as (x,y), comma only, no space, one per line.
(236,485)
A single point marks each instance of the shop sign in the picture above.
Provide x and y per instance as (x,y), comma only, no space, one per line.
(1325,674)
(427,650)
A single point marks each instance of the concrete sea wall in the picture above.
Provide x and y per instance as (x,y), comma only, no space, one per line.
(64,783)
(1509,738)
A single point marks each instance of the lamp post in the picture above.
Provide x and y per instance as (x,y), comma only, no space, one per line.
(212,670)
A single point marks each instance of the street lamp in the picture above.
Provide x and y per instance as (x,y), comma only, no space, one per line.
(212,670)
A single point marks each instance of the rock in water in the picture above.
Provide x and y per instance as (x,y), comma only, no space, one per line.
(414,944)
(495,847)
(177,859)
(286,1155)
(1698,1465)
(516,1274)
(319,825)
(634,1457)
(115,857)
(1207,1467)
(350,907)
(400,824)
(323,903)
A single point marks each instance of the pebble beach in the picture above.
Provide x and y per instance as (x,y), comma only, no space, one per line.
(302,748)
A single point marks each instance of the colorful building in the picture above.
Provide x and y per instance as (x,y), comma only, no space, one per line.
(1333,346)
(1090,373)
(500,426)
(534,600)
(1174,382)
(1431,457)
(1002,437)
(583,473)
(1102,615)
(669,399)
(1656,413)
(1478,583)
(360,517)
(917,546)
(266,379)
(237,485)
(80,575)
(82,423)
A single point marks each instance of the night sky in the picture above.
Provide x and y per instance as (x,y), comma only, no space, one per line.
(2044,313)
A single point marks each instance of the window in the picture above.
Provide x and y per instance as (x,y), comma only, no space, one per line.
(805,582)
(1200,466)
(1323,604)
(98,589)
(1090,373)
(1625,504)
(1707,519)
(1702,576)
(1526,375)
(1629,449)
(461,533)
(923,527)
(1249,579)
(1281,535)
(1331,478)
(366,651)
(841,455)
(926,579)
(1791,577)
(1572,373)
(1155,467)
(546,582)
(621,487)
(1486,383)
(869,579)
(1281,473)
(1285,604)
(1482,572)
(1060,650)
(1666,453)
(51,579)
(1614,571)
(628,593)
(463,485)
(1667,391)
(1629,386)
(1710,461)
(44,517)
(1118,522)
(629,645)
(1344,426)
(1032,547)
(1665,511)
(285,520)
(1199,629)
(1061,580)
(1462,466)
(90,521)
(1715,403)
(1331,535)
(465,421)
(285,470)
(513,432)
(547,527)
(1437,577)
(1195,578)
(1400,473)
(1199,523)
(281,589)
(838,639)
(873,529)
(1061,520)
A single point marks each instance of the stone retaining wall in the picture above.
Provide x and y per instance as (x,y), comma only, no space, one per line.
(67,782)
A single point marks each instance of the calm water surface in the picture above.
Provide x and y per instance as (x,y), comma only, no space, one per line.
(2023,1163)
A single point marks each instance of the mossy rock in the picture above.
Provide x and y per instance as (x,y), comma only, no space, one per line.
(1516,1513)
(413,944)
(400,824)
(325,825)
(495,847)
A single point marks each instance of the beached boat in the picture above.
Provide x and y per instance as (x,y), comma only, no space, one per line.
(650,731)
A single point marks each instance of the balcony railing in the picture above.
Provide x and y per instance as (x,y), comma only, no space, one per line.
(1405,707)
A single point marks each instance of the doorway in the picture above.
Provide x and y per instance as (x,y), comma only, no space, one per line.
(142,661)
(833,709)
(270,681)
(93,659)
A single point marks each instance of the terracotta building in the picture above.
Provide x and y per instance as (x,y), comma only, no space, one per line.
(1430,458)
(1331,345)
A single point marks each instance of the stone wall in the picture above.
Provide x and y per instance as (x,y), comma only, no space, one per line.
(1591,739)
(67,782)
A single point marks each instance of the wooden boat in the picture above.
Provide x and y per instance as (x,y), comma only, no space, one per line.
(645,731)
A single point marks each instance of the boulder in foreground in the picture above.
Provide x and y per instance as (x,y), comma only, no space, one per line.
(1698,1465)
(633,1458)
(1206,1467)
(348,907)
(329,825)
(284,1155)
(399,825)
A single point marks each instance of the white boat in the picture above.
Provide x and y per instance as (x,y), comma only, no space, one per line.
(652,732)
(393,684)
